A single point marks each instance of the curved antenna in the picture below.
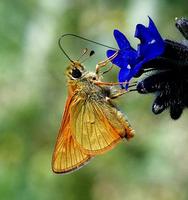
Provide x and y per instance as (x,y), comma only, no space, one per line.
(82,38)
(90,54)
(84,52)
(59,43)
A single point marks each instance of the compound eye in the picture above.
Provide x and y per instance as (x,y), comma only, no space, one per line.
(76,73)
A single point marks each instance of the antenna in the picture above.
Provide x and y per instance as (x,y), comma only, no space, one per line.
(82,38)
(62,49)
(91,53)
(84,52)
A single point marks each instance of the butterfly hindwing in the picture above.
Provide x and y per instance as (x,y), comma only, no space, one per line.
(98,126)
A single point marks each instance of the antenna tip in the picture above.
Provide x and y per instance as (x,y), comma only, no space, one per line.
(92,53)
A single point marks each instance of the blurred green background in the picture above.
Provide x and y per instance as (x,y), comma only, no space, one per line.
(152,166)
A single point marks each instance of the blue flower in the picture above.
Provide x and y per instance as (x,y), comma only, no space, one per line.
(130,60)
(126,56)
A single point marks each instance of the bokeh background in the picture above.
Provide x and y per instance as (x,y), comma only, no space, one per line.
(152,166)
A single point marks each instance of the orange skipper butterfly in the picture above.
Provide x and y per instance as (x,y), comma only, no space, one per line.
(91,123)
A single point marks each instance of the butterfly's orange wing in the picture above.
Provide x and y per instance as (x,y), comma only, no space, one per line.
(67,156)
(97,126)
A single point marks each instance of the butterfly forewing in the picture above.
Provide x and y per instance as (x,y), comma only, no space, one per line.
(68,156)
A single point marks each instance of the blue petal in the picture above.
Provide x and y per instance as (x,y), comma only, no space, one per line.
(123,74)
(123,58)
(152,44)
(150,51)
(136,69)
(153,29)
(147,34)
(121,40)
(143,33)
(123,77)
(118,60)
(130,55)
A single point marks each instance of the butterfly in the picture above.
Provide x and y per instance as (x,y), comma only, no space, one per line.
(91,124)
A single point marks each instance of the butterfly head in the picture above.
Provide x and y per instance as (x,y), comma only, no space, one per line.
(75,70)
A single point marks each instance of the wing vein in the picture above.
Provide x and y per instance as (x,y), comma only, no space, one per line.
(98,139)
(87,129)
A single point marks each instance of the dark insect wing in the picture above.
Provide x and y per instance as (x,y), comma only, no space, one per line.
(153,83)
(175,52)
(176,111)
(160,103)
(163,101)
(171,90)
(182,26)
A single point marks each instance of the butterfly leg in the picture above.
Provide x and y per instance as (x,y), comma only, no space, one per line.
(117,93)
(121,92)
(110,83)
(105,62)
(110,68)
